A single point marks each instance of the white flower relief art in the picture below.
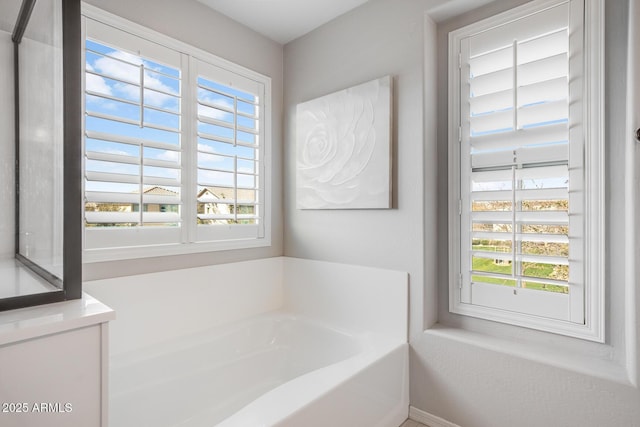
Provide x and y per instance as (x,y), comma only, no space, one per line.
(344,149)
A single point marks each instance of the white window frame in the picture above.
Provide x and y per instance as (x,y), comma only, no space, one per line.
(594,180)
(189,242)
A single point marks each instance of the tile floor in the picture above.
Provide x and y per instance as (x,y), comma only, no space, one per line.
(411,423)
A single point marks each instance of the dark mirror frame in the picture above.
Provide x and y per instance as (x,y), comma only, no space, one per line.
(70,285)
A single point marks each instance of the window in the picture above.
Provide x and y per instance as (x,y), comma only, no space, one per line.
(175,146)
(526,171)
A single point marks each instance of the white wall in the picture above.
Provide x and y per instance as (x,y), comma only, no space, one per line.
(383,37)
(471,372)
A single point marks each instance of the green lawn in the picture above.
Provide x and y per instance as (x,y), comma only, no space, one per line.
(530,269)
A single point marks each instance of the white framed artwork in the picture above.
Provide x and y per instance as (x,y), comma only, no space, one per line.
(343,143)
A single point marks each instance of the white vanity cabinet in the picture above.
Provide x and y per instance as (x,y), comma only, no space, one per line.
(54,365)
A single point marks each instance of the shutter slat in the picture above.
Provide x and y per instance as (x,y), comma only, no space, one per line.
(247,130)
(103,136)
(216,106)
(542,237)
(160,217)
(496,81)
(131,217)
(491,62)
(532,217)
(543,194)
(543,46)
(161,199)
(541,259)
(113,118)
(112,98)
(545,281)
(215,138)
(491,102)
(204,168)
(543,69)
(490,123)
(488,235)
(521,137)
(111,197)
(504,256)
(521,237)
(547,90)
(163,110)
(135,82)
(215,122)
(162,163)
(547,21)
(503,175)
(161,127)
(528,194)
(229,202)
(111,217)
(114,158)
(160,181)
(112,177)
(530,155)
(539,114)
(504,195)
(226,216)
(543,217)
(115,197)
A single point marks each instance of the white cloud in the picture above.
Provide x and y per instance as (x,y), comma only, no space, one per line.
(118,152)
(208,97)
(214,114)
(96,83)
(205,148)
(129,71)
(168,155)
(215,178)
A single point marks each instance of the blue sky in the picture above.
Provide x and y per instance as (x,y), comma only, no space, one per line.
(113,84)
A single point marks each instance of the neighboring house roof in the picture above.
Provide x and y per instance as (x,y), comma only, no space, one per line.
(160,191)
(220,193)
(227,193)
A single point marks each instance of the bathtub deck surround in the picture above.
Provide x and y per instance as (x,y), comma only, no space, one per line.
(273,342)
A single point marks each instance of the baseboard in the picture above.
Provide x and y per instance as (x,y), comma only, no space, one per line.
(428,419)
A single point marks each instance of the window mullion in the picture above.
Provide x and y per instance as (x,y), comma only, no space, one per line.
(515,85)
(141,178)
(189,148)
(514,246)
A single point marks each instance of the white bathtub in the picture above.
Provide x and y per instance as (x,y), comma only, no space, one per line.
(327,355)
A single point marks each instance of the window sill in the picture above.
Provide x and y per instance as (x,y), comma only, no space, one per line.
(547,354)
(118,254)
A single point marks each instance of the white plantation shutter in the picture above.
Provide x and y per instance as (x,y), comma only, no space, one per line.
(521,165)
(133,139)
(174,146)
(229,156)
